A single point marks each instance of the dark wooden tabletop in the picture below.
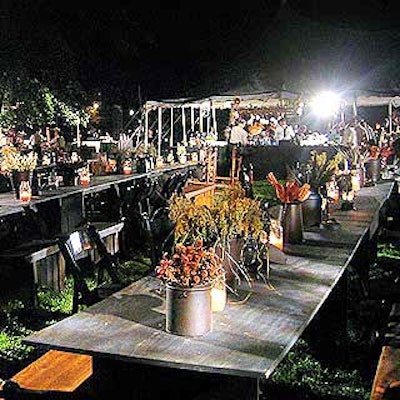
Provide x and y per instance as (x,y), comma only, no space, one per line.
(248,339)
(10,205)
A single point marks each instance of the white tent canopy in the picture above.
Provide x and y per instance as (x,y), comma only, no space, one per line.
(201,112)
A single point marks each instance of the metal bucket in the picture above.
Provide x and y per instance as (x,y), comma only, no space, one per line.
(292,223)
(373,170)
(312,210)
(188,310)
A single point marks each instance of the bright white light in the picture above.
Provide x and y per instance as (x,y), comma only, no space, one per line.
(325,104)
(131,112)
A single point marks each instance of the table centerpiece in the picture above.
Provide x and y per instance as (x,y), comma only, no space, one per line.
(189,275)
(18,164)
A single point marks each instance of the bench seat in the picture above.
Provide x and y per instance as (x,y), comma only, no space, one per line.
(55,370)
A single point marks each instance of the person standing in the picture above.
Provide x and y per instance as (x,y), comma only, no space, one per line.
(57,139)
(238,138)
(239,135)
(36,141)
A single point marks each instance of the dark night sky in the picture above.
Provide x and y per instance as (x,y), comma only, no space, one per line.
(180,48)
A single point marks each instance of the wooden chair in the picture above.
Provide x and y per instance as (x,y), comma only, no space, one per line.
(77,250)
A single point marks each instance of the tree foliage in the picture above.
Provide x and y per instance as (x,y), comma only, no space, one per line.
(26,102)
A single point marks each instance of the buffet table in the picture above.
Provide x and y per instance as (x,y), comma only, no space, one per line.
(131,350)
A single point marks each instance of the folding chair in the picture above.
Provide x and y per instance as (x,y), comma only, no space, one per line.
(76,250)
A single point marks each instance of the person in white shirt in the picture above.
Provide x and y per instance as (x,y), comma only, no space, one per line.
(238,139)
(239,135)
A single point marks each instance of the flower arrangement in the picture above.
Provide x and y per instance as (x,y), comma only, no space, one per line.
(291,191)
(373,152)
(192,221)
(13,159)
(180,149)
(231,214)
(351,155)
(317,171)
(190,266)
(235,214)
(142,151)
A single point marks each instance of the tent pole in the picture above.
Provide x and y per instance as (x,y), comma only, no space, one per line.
(208,119)
(159,131)
(184,139)
(171,137)
(192,118)
(201,119)
(390,116)
(214,116)
(78,135)
(146,127)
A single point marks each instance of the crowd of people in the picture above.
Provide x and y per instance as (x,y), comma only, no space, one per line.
(256,130)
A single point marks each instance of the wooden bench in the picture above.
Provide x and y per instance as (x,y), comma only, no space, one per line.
(386,384)
(387,373)
(55,371)
(202,193)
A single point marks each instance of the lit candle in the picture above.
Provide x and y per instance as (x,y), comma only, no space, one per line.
(25,195)
(276,235)
(127,170)
(355,182)
(218,298)
(332,191)
(25,192)
(84,180)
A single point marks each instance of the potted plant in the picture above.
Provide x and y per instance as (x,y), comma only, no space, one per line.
(317,171)
(225,225)
(291,195)
(372,163)
(189,275)
(18,164)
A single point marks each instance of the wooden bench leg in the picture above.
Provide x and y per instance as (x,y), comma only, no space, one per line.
(387,373)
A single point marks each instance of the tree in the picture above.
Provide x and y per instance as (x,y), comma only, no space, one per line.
(25,102)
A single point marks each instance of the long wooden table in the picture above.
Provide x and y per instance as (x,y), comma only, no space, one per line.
(71,198)
(131,350)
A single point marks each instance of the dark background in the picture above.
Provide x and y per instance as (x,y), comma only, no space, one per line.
(157,50)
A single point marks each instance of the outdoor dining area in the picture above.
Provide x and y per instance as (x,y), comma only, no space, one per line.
(236,268)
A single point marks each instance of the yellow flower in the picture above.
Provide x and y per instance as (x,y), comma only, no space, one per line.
(230,214)
(14,160)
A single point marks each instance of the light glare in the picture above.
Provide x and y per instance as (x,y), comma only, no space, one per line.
(325,104)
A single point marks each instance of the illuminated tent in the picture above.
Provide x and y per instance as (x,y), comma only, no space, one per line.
(200,114)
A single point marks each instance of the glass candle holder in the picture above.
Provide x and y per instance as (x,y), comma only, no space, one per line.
(25,191)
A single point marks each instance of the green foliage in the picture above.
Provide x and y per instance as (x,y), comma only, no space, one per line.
(55,301)
(135,270)
(301,370)
(12,332)
(27,102)
(388,250)
(264,191)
